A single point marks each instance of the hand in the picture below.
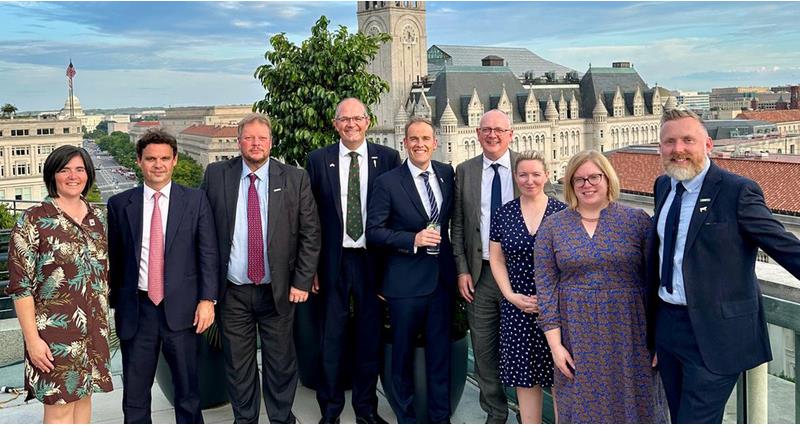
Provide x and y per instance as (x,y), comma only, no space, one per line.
(465,287)
(203,316)
(563,361)
(526,304)
(655,361)
(315,284)
(39,354)
(427,238)
(535,302)
(296,295)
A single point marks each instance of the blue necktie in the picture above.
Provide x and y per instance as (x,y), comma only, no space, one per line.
(497,193)
(670,235)
(431,198)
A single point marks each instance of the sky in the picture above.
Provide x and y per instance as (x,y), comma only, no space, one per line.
(161,54)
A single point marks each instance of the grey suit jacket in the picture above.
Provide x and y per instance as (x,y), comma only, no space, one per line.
(465,230)
(293,230)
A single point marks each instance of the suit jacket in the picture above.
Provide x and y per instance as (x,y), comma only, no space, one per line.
(395,214)
(293,233)
(191,262)
(730,222)
(467,245)
(327,193)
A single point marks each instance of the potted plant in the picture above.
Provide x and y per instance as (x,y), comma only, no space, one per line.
(458,363)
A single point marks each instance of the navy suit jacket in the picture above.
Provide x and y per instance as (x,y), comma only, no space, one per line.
(190,257)
(327,193)
(395,215)
(730,222)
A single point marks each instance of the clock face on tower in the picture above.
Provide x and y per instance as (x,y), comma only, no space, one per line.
(409,35)
(373,30)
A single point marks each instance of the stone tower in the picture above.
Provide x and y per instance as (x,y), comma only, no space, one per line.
(400,61)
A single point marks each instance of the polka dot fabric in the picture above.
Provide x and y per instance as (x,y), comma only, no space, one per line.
(525,359)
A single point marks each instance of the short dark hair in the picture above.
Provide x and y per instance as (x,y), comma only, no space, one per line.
(156,135)
(58,159)
(418,119)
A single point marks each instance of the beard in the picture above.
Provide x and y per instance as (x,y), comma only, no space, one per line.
(684,173)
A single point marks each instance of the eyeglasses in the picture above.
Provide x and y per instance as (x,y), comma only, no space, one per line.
(497,130)
(591,179)
(357,119)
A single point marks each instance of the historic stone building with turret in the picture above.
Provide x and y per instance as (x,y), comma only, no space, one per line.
(553,109)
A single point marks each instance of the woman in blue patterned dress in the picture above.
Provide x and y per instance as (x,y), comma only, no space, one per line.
(525,360)
(590,276)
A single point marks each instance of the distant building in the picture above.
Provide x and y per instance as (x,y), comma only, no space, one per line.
(787,121)
(208,144)
(137,130)
(113,126)
(696,101)
(726,129)
(24,145)
(89,122)
(175,120)
(552,108)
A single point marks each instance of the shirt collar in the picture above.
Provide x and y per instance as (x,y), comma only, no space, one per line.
(149,192)
(695,183)
(504,160)
(261,173)
(415,171)
(345,151)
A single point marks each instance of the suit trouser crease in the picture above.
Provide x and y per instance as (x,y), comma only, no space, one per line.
(483,315)
(694,393)
(353,279)
(248,312)
(140,359)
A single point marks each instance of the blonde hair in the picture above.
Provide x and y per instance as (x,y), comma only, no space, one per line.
(602,163)
(678,113)
(252,118)
(530,156)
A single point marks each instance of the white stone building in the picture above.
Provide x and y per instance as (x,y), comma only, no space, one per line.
(208,144)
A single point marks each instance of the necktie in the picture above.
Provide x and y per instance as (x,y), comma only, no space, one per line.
(670,235)
(155,258)
(255,238)
(431,197)
(354,226)
(497,193)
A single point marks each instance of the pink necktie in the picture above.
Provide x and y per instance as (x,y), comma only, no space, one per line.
(155,260)
(255,239)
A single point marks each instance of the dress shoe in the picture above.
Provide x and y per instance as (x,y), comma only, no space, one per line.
(329,421)
(371,419)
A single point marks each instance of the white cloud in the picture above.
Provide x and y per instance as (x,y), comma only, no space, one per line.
(289,11)
(249,24)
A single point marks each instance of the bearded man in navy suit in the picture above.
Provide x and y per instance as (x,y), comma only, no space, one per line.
(707,317)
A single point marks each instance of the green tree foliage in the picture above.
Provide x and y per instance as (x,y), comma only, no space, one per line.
(7,219)
(304,83)
(94,194)
(8,110)
(187,172)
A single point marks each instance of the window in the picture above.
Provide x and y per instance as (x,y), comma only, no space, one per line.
(601,134)
(45,149)
(22,193)
(45,131)
(1,132)
(20,151)
(19,132)
(41,164)
(2,172)
(791,149)
(554,154)
(66,130)
(21,169)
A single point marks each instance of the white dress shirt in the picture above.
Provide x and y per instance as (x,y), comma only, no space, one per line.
(344,175)
(433,180)
(506,189)
(147,218)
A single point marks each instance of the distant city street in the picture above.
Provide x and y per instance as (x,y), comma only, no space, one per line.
(111,177)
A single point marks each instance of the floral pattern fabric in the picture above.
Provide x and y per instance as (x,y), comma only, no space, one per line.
(593,289)
(63,265)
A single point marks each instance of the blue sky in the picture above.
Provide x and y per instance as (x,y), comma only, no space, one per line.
(203,53)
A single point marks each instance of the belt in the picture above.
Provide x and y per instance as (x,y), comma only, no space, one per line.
(239,285)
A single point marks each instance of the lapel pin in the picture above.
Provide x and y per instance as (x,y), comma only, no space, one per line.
(441,180)
(91,222)
(374,161)
(703,209)
(276,190)
(705,200)
(331,165)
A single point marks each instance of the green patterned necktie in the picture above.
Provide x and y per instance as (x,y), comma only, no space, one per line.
(354,227)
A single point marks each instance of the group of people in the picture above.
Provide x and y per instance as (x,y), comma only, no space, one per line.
(626,318)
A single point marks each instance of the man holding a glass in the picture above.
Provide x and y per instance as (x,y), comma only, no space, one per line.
(408,215)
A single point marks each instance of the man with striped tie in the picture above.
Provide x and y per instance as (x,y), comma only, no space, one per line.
(408,216)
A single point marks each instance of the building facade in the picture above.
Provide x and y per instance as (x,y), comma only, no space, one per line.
(696,101)
(558,114)
(24,145)
(175,120)
(208,144)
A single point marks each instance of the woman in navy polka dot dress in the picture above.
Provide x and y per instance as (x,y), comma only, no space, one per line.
(525,360)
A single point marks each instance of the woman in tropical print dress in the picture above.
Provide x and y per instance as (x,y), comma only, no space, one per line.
(589,263)
(58,272)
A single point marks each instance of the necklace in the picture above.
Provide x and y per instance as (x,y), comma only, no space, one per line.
(590,220)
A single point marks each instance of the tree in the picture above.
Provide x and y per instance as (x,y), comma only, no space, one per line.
(8,110)
(187,172)
(305,83)
(93,196)
(7,219)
